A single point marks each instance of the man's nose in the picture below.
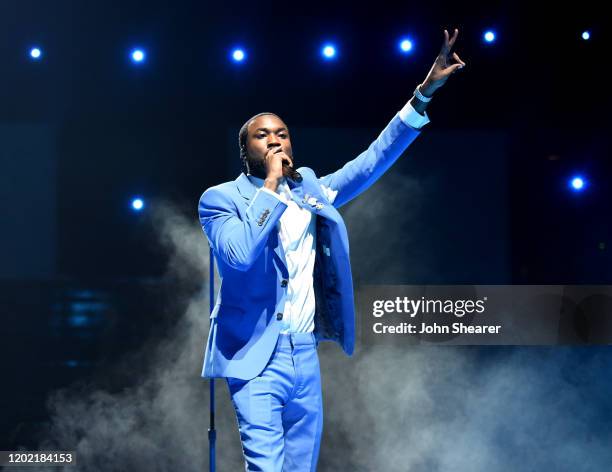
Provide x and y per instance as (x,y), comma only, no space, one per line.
(273,141)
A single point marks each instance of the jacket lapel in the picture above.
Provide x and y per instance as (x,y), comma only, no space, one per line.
(308,194)
(245,187)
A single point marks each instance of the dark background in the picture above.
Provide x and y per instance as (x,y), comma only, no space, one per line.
(162,129)
(83,279)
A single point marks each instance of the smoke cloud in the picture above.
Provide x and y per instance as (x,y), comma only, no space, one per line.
(393,408)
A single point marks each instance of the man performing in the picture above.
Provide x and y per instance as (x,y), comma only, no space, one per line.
(282,252)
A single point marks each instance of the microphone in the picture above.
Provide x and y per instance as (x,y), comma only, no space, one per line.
(292,173)
(295,175)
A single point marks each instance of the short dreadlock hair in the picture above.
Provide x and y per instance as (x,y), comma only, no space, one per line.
(242,138)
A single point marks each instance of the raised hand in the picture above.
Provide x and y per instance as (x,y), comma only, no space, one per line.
(446,64)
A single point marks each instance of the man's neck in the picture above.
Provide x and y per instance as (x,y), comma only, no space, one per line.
(257,174)
(261,180)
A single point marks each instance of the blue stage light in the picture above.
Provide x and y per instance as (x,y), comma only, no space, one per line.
(577,183)
(35,53)
(405,45)
(586,35)
(138,56)
(328,51)
(78,320)
(238,55)
(489,36)
(137,204)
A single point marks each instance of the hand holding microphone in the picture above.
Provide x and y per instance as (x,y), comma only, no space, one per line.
(279,164)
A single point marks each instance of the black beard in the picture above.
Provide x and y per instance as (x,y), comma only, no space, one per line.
(257,168)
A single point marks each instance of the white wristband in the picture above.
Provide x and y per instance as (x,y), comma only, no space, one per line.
(420,96)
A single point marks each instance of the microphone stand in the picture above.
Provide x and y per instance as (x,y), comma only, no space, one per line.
(212,433)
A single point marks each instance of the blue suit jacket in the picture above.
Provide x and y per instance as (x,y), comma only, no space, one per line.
(241,228)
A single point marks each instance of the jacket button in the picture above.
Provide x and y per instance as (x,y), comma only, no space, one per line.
(279,316)
(284,283)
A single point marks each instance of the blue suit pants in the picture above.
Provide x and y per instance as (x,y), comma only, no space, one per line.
(280,412)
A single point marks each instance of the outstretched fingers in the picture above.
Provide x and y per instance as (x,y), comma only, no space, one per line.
(448,42)
(454,38)
(445,44)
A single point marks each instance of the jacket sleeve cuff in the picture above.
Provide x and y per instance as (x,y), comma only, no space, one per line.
(413,118)
(265,207)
